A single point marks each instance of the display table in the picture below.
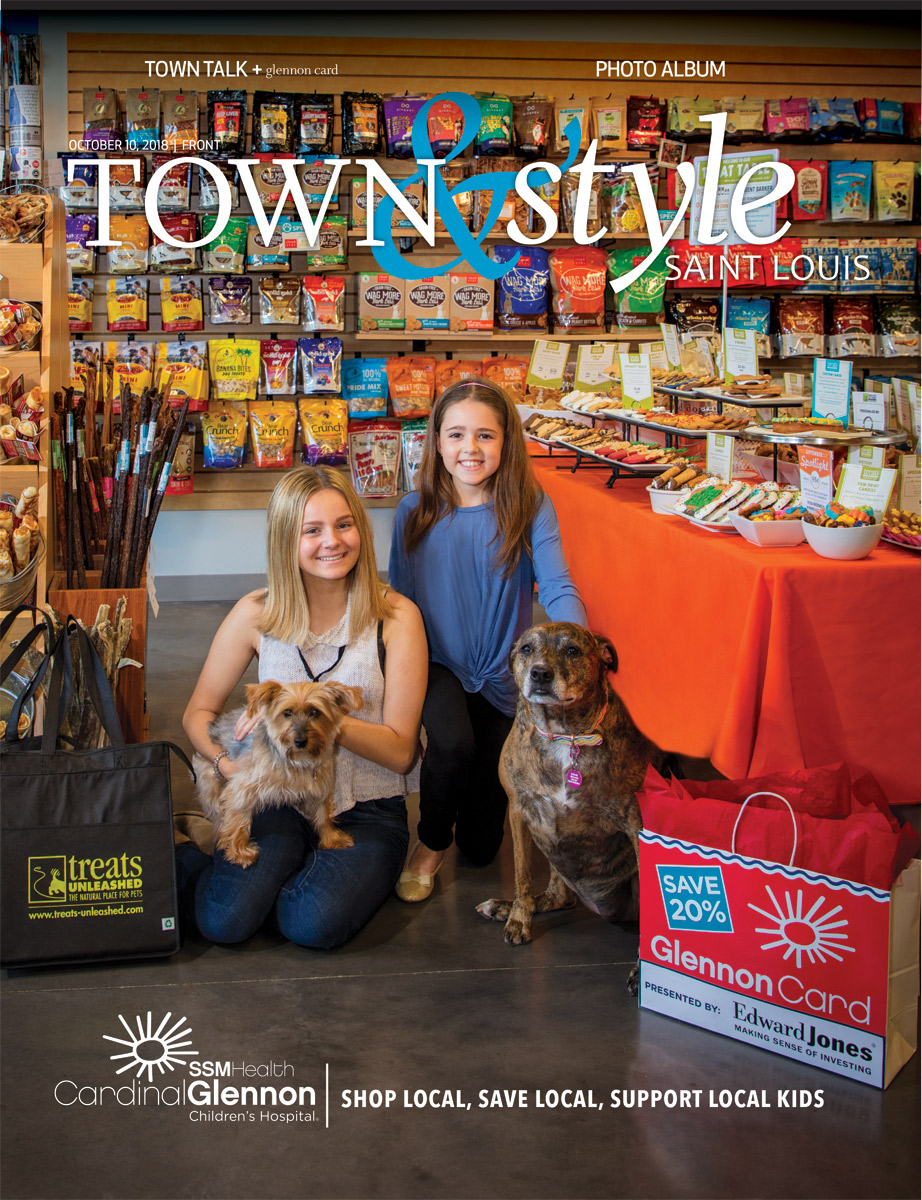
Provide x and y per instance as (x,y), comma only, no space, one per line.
(758,659)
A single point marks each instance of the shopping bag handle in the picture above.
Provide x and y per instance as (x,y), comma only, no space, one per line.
(62,682)
(739,818)
(7,623)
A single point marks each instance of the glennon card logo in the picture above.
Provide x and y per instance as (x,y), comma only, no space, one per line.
(165,1047)
(815,934)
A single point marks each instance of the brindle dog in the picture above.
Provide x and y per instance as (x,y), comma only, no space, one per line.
(580,809)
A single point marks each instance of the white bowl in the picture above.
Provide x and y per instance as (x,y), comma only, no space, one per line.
(845,543)
(662,501)
(768,533)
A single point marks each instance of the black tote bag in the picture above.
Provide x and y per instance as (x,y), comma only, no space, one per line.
(87,836)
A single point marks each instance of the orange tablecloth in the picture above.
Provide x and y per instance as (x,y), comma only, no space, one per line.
(760,660)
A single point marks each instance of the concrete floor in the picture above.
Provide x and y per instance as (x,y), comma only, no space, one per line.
(425,998)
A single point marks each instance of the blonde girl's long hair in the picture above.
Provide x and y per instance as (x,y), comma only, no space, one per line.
(513,489)
(286,615)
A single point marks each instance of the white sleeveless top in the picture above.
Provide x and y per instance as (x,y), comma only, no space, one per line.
(357,779)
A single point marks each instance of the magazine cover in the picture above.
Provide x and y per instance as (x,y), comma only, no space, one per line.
(459,600)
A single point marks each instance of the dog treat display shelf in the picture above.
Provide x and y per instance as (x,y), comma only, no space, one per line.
(831,439)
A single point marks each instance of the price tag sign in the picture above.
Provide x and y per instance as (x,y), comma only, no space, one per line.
(815,467)
(794,384)
(870,411)
(548,364)
(657,353)
(860,486)
(914,411)
(720,448)
(910,483)
(832,388)
(703,346)
(741,355)
(671,344)
(594,363)
(867,456)
(636,380)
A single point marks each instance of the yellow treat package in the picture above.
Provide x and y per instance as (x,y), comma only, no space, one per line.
(272,433)
(234,368)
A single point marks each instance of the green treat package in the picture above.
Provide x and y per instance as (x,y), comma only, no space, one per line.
(641,302)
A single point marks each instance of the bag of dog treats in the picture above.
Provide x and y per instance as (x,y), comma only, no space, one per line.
(569,189)
(278,366)
(413,441)
(898,323)
(494,135)
(533,122)
(321,364)
(550,193)
(699,318)
(180,304)
(126,192)
(208,195)
(822,275)
(852,328)
(609,123)
(315,178)
(261,257)
(893,190)
(646,122)
(227,121)
(273,122)
(126,304)
(411,383)
(229,300)
(807,199)
(226,254)
(399,114)
(850,191)
(897,259)
(684,122)
(444,124)
(453,174)
(234,368)
(324,431)
(279,301)
(745,117)
(182,368)
(756,314)
(514,206)
(579,109)
(802,327)
(315,124)
(578,287)
(269,178)
(374,457)
(456,370)
(131,255)
(180,482)
(426,303)
(84,356)
(880,118)
(507,371)
(174,260)
(330,250)
(132,365)
(363,124)
(324,303)
(80,306)
(787,120)
(142,118)
(621,210)
(641,302)
(180,120)
(224,433)
(272,433)
(81,258)
(80,193)
(859,265)
(175,185)
(101,129)
(365,386)
(521,294)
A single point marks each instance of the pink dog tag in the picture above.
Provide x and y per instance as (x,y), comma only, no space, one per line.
(574,779)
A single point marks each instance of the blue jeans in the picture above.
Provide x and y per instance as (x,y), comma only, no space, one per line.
(320,898)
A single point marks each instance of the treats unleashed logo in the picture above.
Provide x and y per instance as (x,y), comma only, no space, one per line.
(393,195)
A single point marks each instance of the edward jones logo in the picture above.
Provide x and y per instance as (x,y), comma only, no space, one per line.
(65,879)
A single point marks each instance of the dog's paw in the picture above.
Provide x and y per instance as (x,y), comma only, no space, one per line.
(517,933)
(633,980)
(243,856)
(336,840)
(495,910)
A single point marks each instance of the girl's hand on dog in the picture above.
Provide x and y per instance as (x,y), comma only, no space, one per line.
(245,725)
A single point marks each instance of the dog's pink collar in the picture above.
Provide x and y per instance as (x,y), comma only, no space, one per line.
(592,738)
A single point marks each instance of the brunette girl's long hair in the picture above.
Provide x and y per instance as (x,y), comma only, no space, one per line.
(515,493)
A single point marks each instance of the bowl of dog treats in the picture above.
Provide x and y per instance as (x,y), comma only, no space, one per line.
(20,326)
(22,214)
(841,533)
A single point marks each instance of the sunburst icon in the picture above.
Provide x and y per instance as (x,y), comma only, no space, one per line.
(811,934)
(149,1047)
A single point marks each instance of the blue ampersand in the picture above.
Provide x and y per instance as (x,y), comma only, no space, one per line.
(499,183)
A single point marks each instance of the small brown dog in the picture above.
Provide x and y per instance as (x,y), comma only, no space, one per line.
(292,760)
(570,766)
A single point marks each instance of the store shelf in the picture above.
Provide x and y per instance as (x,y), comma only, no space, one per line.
(446,336)
(246,487)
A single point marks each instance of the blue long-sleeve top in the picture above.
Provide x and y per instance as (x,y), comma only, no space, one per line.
(472,614)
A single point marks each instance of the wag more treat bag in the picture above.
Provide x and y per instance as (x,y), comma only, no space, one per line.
(471,302)
(521,301)
(426,303)
(381,301)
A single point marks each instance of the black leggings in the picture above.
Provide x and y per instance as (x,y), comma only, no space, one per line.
(459,778)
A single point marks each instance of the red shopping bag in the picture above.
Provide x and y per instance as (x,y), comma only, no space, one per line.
(783,912)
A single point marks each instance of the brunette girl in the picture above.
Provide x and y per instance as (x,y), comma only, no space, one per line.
(468,547)
(324,616)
